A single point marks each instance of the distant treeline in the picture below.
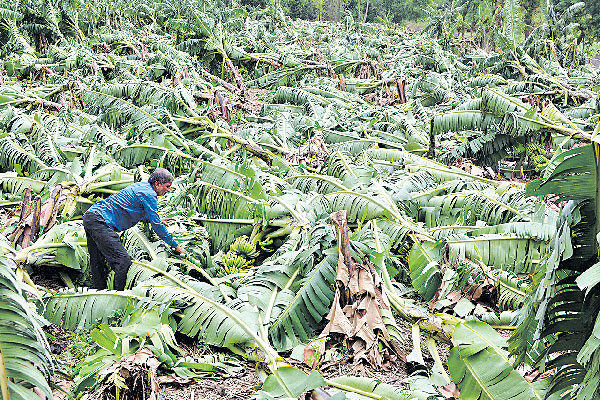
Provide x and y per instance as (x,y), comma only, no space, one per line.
(465,12)
(375,10)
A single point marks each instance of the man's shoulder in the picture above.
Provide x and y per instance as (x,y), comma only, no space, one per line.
(144,190)
(141,187)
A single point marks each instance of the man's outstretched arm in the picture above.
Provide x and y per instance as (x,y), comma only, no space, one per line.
(151,207)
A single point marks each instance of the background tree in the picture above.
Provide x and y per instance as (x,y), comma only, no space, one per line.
(530,7)
(590,19)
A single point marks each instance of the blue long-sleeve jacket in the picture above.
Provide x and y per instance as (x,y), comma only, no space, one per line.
(137,202)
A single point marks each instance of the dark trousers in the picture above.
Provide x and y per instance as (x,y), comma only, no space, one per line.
(105,247)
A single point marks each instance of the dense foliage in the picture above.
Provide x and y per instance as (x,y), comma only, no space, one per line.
(332,178)
(477,17)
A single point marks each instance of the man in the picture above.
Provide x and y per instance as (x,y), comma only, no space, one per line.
(118,212)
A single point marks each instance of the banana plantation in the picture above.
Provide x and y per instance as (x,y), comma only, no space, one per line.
(354,198)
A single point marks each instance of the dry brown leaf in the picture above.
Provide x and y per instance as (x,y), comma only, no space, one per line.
(450,391)
(174,379)
(65,386)
(455,296)
(314,351)
(139,373)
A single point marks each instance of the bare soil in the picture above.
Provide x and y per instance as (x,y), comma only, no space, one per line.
(47,279)
(241,386)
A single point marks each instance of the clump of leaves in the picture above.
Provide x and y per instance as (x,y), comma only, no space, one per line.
(79,345)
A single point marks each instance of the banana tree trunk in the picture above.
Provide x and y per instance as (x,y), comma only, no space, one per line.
(235,72)
(359,304)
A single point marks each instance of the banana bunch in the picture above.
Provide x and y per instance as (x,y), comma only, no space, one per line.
(267,245)
(241,256)
(537,155)
(232,264)
(244,247)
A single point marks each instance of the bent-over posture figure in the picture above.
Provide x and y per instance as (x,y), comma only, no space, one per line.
(118,212)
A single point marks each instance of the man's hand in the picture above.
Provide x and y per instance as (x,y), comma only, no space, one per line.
(180,250)
(166,221)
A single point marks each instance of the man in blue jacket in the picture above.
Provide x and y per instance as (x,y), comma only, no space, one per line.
(118,212)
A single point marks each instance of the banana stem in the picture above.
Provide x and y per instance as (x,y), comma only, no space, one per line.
(3,377)
(205,274)
(346,388)
(436,359)
(416,339)
(300,220)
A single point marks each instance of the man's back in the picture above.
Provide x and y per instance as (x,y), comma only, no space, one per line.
(127,207)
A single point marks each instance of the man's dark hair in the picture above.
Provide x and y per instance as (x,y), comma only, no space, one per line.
(161,176)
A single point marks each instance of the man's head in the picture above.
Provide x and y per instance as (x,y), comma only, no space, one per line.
(161,181)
